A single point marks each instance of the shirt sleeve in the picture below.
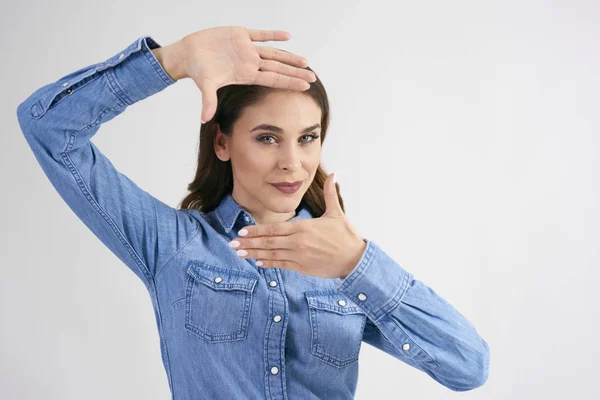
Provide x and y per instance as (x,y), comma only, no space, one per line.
(411,322)
(58,121)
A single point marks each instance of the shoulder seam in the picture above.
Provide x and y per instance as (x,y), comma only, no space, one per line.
(178,250)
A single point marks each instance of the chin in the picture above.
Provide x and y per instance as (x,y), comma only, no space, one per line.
(284,203)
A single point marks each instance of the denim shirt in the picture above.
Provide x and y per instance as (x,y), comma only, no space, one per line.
(229,329)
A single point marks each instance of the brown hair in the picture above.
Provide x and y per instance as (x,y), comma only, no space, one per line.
(214,178)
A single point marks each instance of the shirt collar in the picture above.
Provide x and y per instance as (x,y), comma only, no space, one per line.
(228,212)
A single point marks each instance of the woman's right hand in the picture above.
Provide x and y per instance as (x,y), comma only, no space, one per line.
(222,56)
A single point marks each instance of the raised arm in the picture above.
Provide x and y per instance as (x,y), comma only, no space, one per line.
(59,120)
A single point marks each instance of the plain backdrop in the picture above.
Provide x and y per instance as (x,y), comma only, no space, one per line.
(465,136)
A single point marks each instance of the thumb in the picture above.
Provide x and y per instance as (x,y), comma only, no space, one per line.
(332,203)
(209,101)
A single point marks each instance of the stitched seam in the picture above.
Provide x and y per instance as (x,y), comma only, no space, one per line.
(282,338)
(75,86)
(155,65)
(84,190)
(116,88)
(360,270)
(178,250)
(399,351)
(395,300)
(163,338)
(175,302)
(399,327)
(227,228)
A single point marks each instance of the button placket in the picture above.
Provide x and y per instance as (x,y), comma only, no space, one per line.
(275,331)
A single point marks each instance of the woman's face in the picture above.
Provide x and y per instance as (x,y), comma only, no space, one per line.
(272,142)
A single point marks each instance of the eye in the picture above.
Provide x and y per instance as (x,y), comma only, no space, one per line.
(311,135)
(262,137)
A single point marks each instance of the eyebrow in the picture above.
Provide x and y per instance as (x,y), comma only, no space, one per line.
(277,129)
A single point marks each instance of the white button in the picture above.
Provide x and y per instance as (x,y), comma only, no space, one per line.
(362,296)
(277,318)
(121,56)
(405,346)
(341,303)
(274,370)
(273,283)
(218,280)
(66,84)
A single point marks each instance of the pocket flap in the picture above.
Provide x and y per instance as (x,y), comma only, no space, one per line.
(332,300)
(219,278)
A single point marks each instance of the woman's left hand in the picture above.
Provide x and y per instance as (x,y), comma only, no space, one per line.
(327,247)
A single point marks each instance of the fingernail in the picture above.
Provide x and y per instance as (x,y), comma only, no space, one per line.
(243,232)
(234,243)
(259,263)
(202,121)
(241,252)
(334,178)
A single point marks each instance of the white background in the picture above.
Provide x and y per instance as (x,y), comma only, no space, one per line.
(465,139)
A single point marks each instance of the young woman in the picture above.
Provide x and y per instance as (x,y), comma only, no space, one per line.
(260,285)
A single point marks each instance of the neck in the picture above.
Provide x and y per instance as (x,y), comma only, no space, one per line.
(261,214)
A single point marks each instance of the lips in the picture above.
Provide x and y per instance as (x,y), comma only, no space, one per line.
(288,188)
(287,183)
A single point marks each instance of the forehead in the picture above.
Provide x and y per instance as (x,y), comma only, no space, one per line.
(286,109)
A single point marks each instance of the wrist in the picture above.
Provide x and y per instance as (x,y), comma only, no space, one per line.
(357,250)
(169,58)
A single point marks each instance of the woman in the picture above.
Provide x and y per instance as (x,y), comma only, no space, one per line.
(259,290)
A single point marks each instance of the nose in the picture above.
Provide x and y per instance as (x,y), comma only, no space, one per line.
(290,157)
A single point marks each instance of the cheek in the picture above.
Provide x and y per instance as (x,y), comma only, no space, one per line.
(251,165)
(315,160)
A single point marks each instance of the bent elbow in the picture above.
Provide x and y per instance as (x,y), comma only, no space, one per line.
(477,371)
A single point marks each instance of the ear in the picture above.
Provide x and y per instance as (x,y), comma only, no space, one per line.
(221,142)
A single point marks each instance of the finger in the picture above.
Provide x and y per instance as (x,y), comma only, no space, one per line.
(265,35)
(274,229)
(209,99)
(284,69)
(271,254)
(269,53)
(266,242)
(291,265)
(275,80)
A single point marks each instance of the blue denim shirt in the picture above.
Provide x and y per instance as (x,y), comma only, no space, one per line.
(229,329)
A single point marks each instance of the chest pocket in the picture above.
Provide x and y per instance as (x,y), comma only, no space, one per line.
(218,302)
(337,327)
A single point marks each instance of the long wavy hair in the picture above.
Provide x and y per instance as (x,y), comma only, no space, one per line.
(214,178)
